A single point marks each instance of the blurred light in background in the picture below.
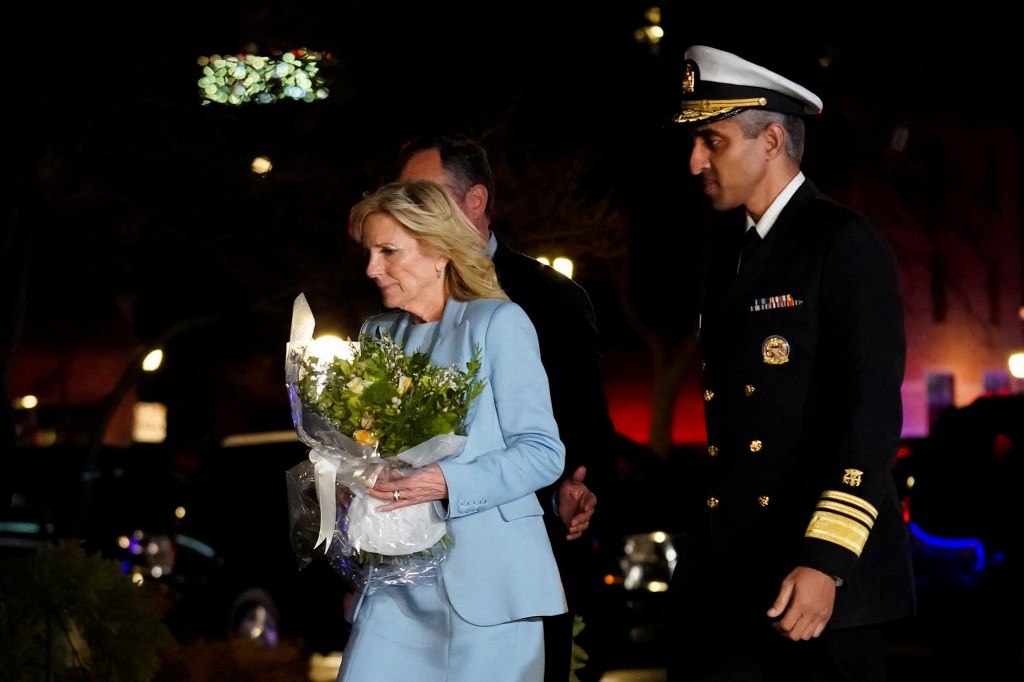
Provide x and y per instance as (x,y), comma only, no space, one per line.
(1017,365)
(26,402)
(149,422)
(651,32)
(561,263)
(261,165)
(151,362)
(328,347)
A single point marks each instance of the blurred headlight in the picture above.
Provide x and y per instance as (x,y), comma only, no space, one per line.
(647,561)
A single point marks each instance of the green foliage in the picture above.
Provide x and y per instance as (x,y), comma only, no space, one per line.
(579,656)
(385,398)
(66,615)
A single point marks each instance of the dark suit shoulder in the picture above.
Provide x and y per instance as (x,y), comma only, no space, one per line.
(827,210)
(566,324)
(821,216)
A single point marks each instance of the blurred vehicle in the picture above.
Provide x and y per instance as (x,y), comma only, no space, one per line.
(242,500)
(642,538)
(637,595)
(961,487)
(128,505)
(209,538)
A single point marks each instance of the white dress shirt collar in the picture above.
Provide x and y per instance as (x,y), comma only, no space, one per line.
(769,217)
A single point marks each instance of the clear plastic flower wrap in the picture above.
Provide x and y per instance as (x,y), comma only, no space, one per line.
(369,411)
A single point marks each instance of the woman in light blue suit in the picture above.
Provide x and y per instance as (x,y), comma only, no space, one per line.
(481,618)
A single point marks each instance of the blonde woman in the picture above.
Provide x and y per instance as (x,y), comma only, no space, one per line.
(481,618)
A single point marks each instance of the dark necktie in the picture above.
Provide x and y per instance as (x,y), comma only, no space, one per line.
(750,241)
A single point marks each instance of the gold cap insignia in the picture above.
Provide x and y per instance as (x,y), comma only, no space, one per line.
(775,350)
(690,75)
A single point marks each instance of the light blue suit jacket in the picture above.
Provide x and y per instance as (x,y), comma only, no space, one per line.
(501,567)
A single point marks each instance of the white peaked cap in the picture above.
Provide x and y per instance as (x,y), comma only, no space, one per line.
(719,84)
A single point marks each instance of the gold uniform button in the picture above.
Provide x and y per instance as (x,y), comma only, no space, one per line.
(755,446)
(763,500)
(712,450)
(749,390)
(708,395)
(712,502)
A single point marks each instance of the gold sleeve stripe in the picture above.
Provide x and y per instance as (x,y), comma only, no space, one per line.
(846,510)
(843,519)
(852,500)
(839,530)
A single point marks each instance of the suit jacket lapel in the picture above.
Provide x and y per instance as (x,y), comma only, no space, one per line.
(453,337)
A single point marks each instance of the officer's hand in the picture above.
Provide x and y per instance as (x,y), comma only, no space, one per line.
(804,604)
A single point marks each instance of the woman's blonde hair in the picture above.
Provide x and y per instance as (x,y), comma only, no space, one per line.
(426,211)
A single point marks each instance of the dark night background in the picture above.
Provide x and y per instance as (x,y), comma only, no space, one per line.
(131,215)
(131,218)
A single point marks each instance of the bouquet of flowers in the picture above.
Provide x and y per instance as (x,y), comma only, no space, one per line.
(370,411)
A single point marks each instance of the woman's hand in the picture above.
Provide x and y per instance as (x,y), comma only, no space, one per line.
(402,490)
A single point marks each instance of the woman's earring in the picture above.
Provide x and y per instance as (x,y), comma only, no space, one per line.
(440,273)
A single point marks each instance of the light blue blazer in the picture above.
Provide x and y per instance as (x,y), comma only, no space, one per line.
(501,567)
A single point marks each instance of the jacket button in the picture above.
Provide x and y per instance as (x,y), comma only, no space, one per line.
(708,395)
(755,446)
(712,502)
(763,500)
(712,450)
(749,390)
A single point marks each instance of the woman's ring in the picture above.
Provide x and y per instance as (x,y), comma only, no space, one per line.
(397,495)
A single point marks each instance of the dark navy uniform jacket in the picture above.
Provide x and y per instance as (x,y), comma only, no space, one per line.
(562,312)
(804,356)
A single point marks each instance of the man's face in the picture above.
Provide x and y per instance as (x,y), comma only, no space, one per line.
(730,165)
(426,165)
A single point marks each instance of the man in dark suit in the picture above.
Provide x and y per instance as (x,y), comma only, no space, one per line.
(563,315)
(799,554)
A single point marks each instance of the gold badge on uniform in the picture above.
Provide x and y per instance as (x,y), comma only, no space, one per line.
(852,477)
(775,350)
